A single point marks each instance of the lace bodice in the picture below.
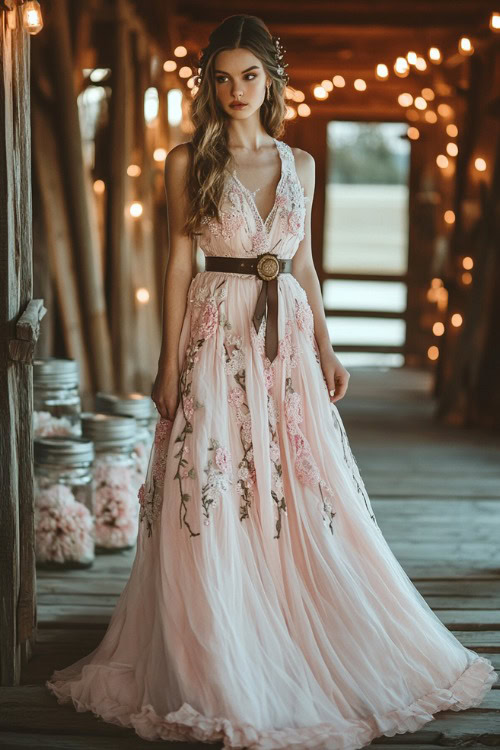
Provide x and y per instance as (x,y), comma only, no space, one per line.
(242,231)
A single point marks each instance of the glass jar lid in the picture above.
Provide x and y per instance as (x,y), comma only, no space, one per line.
(109,430)
(63,451)
(135,405)
(50,372)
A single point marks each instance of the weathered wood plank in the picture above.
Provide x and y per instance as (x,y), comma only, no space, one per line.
(12,740)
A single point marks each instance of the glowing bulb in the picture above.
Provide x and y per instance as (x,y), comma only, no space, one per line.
(32,17)
(299,96)
(421,64)
(405,99)
(430,116)
(452,130)
(434,54)
(99,187)
(420,102)
(433,352)
(169,66)
(480,164)
(135,209)
(185,71)
(320,93)
(452,149)
(495,22)
(411,57)
(159,154)
(468,263)
(413,133)
(428,94)
(401,67)
(304,110)
(456,320)
(438,329)
(449,217)
(290,112)
(360,84)
(142,295)
(442,161)
(412,115)
(466,278)
(382,71)
(436,283)
(445,110)
(465,46)
(133,170)
(327,84)
(180,51)
(339,81)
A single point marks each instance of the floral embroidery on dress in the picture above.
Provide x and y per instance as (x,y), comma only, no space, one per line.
(277,491)
(206,317)
(235,365)
(218,477)
(352,464)
(151,491)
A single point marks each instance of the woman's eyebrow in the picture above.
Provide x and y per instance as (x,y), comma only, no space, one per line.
(252,67)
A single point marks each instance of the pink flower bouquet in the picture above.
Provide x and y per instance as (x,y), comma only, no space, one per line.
(64,532)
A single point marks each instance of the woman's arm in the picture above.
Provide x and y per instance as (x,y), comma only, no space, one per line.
(303,269)
(178,277)
(178,273)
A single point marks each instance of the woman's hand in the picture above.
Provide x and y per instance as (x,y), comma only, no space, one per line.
(165,393)
(337,377)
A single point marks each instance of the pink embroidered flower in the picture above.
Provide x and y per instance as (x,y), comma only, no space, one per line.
(188,406)
(208,320)
(295,220)
(269,377)
(281,200)
(274,451)
(259,241)
(222,459)
(236,397)
(304,316)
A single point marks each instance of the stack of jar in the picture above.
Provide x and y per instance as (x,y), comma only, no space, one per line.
(115,500)
(57,404)
(64,523)
(142,409)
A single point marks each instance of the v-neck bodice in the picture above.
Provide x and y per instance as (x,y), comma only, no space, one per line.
(242,231)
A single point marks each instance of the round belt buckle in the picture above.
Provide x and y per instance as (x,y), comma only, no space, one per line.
(268,266)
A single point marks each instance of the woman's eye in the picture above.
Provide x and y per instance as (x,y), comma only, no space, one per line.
(221,79)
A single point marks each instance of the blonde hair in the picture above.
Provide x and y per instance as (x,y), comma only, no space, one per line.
(209,152)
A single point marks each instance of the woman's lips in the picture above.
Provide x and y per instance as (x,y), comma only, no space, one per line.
(239,105)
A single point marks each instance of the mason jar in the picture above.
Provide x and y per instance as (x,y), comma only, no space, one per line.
(138,406)
(56,399)
(115,502)
(64,522)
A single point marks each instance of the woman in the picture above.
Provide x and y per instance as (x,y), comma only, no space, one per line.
(264,607)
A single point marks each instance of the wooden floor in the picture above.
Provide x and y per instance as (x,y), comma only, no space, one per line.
(436,493)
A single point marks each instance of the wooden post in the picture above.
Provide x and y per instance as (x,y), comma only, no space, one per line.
(18,334)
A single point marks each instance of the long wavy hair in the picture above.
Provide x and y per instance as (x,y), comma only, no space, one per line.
(209,154)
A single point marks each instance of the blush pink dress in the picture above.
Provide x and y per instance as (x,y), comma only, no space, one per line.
(264,608)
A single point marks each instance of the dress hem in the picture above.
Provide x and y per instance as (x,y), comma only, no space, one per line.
(187,724)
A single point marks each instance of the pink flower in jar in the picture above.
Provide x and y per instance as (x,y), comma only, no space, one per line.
(222,460)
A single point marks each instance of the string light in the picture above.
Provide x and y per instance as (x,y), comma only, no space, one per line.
(456,320)
(411,57)
(480,164)
(327,84)
(438,329)
(142,295)
(382,72)
(169,66)
(433,352)
(434,54)
(339,81)
(442,161)
(304,110)
(452,149)
(420,102)
(401,67)
(449,217)
(452,130)
(421,64)
(466,278)
(180,51)
(413,133)
(436,283)
(133,170)
(320,93)
(430,116)
(299,96)
(185,71)
(290,112)
(412,115)
(468,263)
(495,22)
(135,209)
(99,187)
(32,17)
(428,94)
(445,110)
(405,99)
(360,84)
(465,46)
(159,154)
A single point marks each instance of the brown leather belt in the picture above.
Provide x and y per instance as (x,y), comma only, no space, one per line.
(267,267)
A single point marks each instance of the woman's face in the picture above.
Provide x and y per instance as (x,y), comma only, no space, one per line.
(239,76)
